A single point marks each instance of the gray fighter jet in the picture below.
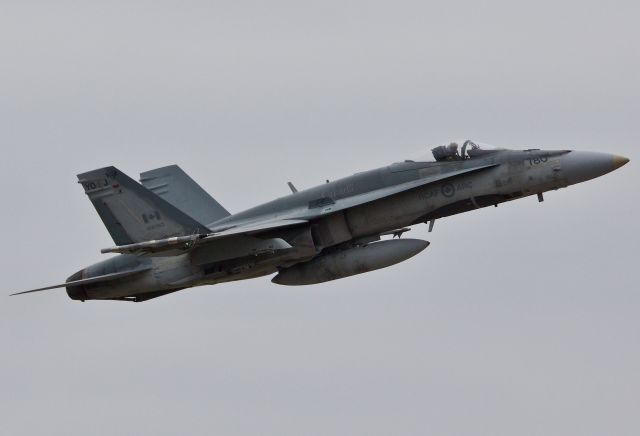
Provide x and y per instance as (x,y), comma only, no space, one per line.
(170,234)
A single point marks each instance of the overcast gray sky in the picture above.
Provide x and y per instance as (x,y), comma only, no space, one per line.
(518,320)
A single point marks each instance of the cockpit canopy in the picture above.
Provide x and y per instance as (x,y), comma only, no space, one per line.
(452,151)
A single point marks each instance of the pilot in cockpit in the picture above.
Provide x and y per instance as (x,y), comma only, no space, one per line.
(446,152)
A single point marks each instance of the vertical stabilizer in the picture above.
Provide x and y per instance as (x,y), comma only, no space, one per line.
(176,187)
(131,212)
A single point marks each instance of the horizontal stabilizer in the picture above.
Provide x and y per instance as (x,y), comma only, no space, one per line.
(103,278)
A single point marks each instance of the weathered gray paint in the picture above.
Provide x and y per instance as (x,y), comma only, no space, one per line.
(304,234)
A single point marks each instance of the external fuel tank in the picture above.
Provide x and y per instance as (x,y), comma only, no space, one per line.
(349,262)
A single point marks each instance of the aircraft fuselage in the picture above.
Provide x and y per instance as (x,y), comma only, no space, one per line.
(485,180)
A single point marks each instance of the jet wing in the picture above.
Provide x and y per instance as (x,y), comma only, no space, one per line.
(257,227)
(177,245)
(378,194)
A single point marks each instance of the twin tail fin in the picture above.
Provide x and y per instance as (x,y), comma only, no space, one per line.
(133,213)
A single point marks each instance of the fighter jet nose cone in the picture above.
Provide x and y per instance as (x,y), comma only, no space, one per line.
(579,166)
(619,161)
